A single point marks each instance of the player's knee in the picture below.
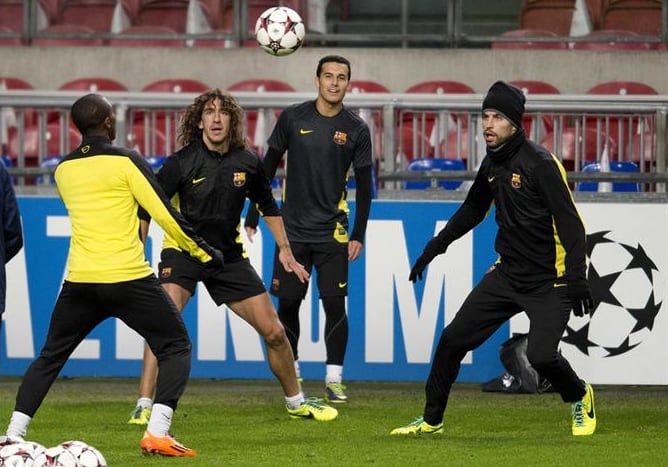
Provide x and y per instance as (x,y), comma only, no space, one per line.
(275,337)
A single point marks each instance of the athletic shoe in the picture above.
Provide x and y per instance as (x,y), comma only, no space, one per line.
(164,446)
(5,440)
(418,427)
(334,393)
(313,408)
(584,417)
(140,416)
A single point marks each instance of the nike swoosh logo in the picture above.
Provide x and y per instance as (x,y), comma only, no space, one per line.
(342,284)
(198,180)
(305,132)
(490,179)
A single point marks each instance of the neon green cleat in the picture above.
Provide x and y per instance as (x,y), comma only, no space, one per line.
(584,417)
(139,416)
(313,408)
(418,427)
(334,393)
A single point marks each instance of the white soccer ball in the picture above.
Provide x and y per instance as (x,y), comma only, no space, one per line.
(280,31)
(621,277)
(85,454)
(20,454)
(57,456)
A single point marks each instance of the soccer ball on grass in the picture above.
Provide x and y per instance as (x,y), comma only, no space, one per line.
(280,31)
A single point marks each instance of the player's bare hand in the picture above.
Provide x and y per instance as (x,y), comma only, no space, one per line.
(354,250)
(290,264)
(250,232)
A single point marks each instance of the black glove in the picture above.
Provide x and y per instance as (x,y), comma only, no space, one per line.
(431,250)
(217,260)
(580,295)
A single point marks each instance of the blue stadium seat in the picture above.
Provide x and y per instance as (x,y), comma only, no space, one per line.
(436,164)
(155,161)
(50,163)
(617,166)
(7,161)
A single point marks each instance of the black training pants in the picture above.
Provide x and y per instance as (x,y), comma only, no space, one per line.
(142,305)
(491,303)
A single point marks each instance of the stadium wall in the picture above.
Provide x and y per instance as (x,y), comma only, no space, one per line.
(394,324)
(572,72)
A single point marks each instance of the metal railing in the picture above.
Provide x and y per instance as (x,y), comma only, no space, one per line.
(393,151)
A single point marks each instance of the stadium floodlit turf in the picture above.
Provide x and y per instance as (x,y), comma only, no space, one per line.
(245,423)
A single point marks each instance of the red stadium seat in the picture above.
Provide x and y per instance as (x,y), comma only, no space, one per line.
(176,85)
(612,39)
(620,128)
(577,144)
(548,15)
(257,141)
(149,141)
(29,115)
(15,40)
(56,145)
(11,14)
(95,14)
(640,16)
(72,34)
(410,144)
(526,39)
(147,36)
(93,84)
(366,86)
(167,13)
(425,120)
(531,87)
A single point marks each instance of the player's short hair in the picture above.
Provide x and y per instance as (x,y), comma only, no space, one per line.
(333,58)
(89,112)
(189,129)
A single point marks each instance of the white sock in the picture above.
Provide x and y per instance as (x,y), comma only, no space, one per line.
(145,402)
(161,420)
(334,374)
(18,424)
(294,402)
(297,369)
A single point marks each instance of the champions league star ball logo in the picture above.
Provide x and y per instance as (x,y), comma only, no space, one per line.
(621,277)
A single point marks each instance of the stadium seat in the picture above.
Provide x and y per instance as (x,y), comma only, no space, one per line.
(526,39)
(167,13)
(67,34)
(409,144)
(643,17)
(595,11)
(7,40)
(642,149)
(529,88)
(612,40)
(257,135)
(455,145)
(434,164)
(55,144)
(147,140)
(49,163)
(366,86)
(176,85)
(548,15)
(6,160)
(93,84)
(425,120)
(155,162)
(29,114)
(11,14)
(575,144)
(615,166)
(95,14)
(147,36)
(620,127)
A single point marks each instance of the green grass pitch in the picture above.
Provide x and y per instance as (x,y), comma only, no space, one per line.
(239,422)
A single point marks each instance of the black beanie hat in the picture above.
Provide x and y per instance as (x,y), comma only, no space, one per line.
(507,100)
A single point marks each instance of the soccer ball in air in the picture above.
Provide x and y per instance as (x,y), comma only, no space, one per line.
(280,31)
(85,454)
(20,454)
(57,456)
(621,277)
